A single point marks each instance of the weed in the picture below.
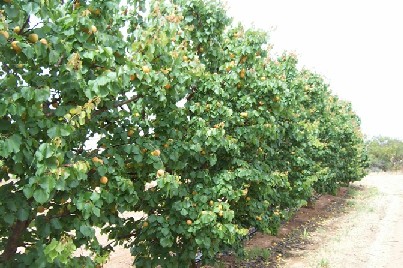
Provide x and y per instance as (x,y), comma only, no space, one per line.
(305,234)
(219,265)
(324,263)
(256,252)
(351,203)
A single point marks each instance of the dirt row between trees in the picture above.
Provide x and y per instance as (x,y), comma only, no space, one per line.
(369,235)
(360,227)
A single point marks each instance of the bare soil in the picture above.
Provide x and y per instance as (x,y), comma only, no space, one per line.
(362,226)
(369,235)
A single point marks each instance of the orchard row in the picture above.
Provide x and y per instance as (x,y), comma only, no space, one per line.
(164,108)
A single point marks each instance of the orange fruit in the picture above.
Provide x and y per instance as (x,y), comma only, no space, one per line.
(44,41)
(15,46)
(156,153)
(242,73)
(146,69)
(103,180)
(93,29)
(130,132)
(33,38)
(97,160)
(5,34)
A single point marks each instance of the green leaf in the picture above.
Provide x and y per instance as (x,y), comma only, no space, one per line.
(11,145)
(87,231)
(12,81)
(41,196)
(42,94)
(102,80)
(89,55)
(53,255)
(96,211)
(56,224)
(54,56)
(27,93)
(11,10)
(166,242)
(165,231)
(9,218)
(95,196)
(108,50)
(44,152)
(3,109)
(138,158)
(189,18)
(47,183)
(22,214)
(28,191)
(53,132)
(31,7)
(184,212)
(102,170)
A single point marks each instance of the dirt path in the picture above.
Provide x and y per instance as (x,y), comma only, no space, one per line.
(370,235)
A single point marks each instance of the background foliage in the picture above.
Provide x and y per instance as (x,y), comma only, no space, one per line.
(385,154)
(192,121)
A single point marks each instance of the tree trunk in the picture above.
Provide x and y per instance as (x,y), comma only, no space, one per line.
(14,240)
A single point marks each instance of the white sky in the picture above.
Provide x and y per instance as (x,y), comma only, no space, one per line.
(356,45)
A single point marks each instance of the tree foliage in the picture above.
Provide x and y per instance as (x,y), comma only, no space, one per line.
(385,154)
(191,121)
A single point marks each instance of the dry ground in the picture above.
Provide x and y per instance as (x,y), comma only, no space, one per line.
(370,235)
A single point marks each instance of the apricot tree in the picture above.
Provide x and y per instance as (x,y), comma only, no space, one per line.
(110,107)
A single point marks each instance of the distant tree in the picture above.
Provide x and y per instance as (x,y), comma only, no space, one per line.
(385,153)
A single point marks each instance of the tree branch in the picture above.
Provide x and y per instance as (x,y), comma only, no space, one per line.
(31,29)
(6,67)
(135,98)
(59,62)
(194,90)
(14,240)
(24,26)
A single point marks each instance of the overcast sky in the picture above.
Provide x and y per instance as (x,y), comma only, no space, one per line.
(356,45)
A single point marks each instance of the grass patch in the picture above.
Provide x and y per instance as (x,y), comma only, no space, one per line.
(358,197)
(219,265)
(255,253)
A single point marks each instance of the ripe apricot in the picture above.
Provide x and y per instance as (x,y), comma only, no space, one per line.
(103,180)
